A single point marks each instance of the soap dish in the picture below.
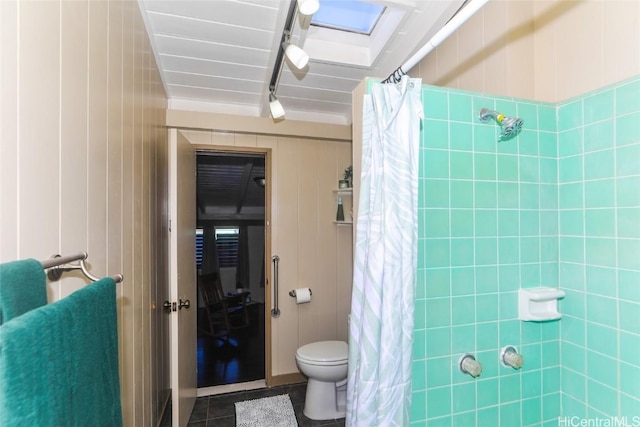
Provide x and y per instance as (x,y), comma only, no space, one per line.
(539,304)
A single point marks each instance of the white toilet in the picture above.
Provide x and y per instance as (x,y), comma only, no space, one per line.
(324,363)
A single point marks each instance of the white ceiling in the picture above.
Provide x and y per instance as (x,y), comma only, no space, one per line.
(219,55)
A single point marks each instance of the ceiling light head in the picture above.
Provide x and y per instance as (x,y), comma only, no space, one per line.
(277,112)
(308,7)
(297,56)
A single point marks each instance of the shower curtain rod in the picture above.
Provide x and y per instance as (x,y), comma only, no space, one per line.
(56,266)
(454,23)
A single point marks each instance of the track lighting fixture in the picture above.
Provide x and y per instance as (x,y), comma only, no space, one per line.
(297,56)
(275,107)
(308,7)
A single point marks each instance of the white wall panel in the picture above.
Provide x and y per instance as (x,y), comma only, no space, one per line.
(212,67)
(81,120)
(38,129)
(191,28)
(115,141)
(97,137)
(309,320)
(227,12)
(9,185)
(208,50)
(621,21)
(127,368)
(213,82)
(217,95)
(73,137)
(546,50)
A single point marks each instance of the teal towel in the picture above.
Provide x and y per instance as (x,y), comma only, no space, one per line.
(59,362)
(23,287)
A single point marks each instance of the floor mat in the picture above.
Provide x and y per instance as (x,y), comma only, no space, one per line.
(274,411)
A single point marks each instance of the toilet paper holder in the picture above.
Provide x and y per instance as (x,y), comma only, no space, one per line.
(292,293)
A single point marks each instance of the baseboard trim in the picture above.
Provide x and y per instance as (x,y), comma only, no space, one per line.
(278,380)
(230,388)
(286,379)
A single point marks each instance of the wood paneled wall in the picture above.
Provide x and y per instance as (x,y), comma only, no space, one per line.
(545,50)
(83,167)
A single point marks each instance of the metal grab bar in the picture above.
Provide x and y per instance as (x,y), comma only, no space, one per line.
(275,312)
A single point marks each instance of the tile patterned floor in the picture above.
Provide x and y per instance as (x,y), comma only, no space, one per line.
(219,410)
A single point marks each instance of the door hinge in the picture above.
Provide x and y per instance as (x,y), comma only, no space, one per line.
(169,307)
(174,306)
(169,226)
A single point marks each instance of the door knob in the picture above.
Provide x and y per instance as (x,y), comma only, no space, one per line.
(184,304)
(167,306)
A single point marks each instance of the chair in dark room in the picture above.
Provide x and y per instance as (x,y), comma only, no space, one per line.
(224,313)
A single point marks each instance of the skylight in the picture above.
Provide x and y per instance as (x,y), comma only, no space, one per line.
(348,15)
(353,32)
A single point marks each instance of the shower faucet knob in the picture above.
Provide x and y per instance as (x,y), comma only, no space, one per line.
(469,365)
(510,357)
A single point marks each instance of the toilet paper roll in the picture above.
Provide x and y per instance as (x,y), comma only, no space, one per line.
(303,295)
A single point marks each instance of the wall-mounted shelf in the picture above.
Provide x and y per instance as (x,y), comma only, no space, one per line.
(539,304)
(343,192)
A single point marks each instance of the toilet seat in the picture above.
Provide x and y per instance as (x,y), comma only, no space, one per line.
(325,353)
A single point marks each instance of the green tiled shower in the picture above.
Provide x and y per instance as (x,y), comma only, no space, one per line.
(558,206)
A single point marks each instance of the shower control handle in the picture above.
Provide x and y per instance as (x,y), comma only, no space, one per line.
(509,356)
(469,365)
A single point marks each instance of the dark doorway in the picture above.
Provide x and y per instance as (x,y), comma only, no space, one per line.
(230,255)
(236,359)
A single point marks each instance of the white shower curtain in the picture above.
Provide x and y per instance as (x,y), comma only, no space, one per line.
(381,327)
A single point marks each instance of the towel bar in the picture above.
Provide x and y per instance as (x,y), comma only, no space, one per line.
(58,264)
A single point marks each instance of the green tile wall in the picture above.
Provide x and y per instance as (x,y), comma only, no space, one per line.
(557,206)
(488,226)
(599,248)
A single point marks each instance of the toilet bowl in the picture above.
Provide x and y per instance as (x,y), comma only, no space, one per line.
(324,363)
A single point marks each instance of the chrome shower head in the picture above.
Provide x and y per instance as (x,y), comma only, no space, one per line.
(510,126)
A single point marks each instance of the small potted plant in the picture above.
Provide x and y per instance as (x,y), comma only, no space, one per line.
(346,182)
